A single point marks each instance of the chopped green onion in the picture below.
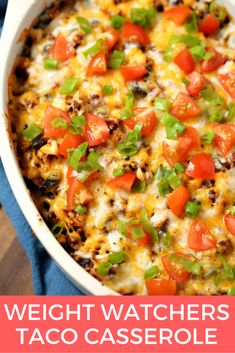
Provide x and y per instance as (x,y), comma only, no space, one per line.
(163,187)
(142,16)
(95,49)
(59,123)
(192,208)
(151,272)
(188,265)
(81,209)
(173,125)
(199,53)
(231,111)
(116,59)
(167,240)
(185,81)
(117,257)
(103,268)
(179,167)
(32,131)
(77,154)
(231,291)
(57,229)
(209,93)
(127,149)
(70,85)
(77,123)
(191,25)
(139,186)
(216,116)
(228,270)
(118,21)
(122,228)
(187,39)
(148,227)
(173,180)
(208,137)
(128,105)
(118,172)
(233,210)
(162,104)
(84,25)
(218,11)
(137,232)
(85,169)
(107,89)
(159,173)
(50,64)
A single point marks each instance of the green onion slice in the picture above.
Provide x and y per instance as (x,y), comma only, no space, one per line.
(107,89)
(57,229)
(151,272)
(81,209)
(84,25)
(32,131)
(118,172)
(162,104)
(70,85)
(218,11)
(98,47)
(192,208)
(143,16)
(139,186)
(208,137)
(117,257)
(58,123)
(103,268)
(116,59)
(51,64)
(191,25)
(118,21)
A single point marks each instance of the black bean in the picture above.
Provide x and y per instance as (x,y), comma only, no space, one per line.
(26,51)
(85,263)
(49,184)
(38,142)
(21,74)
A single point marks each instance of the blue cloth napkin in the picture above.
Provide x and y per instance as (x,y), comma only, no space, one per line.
(47,277)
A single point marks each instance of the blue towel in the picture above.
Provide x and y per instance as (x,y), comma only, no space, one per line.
(47,277)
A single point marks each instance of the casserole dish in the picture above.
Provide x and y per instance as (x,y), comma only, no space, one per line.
(10,46)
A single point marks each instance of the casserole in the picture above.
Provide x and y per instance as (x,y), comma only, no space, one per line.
(78,276)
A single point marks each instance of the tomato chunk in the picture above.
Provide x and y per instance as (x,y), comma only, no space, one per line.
(97,130)
(200,238)
(78,194)
(225,137)
(134,33)
(61,49)
(178,14)
(123,182)
(228,83)
(112,37)
(214,62)
(97,65)
(131,73)
(144,116)
(160,286)
(70,141)
(201,167)
(52,113)
(197,82)
(184,107)
(229,221)
(146,240)
(177,200)
(184,60)
(175,270)
(209,25)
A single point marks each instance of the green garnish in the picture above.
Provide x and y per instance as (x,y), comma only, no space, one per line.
(58,123)
(151,272)
(208,137)
(200,53)
(117,257)
(122,228)
(179,167)
(185,81)
(163,187)
(231,111)
(81,209)
(103,268)
(173,179)
(137,232)
(191,25)
(116,59)
(218,11)
(107,89)
(139,186)
(128,105)
(148,227)
(76,124)
(95,49)
(187,39)
(85,169)
(118,172)
(192,208)
(57,229)
(233,210)
(32,131)
(84,25)
(117,21)
(143,16)
(129,148)
(188,265)
(231,291)
(70,85)
(173,125)
(167,240)
(162,104)
(77,154)
(51,64)
(209,93)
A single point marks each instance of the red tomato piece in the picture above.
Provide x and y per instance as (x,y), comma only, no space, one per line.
(112,37)
(209,25)
(78,194)
(134,33)
(97,65)
(178,14)
(170,154)
(70,141)
(50,114)
(184,60)
(123,182)
(145,116)
(197,82)
(200,238)
(225,137)
(191,133)
(228,83)
(71,174)
(214,62)
(61,49)
(175,270)
(160,286)
(97,130)
(229,221)
(131,73)
(92,177)
(201,167)
(184,107)
(177,200)
(142,241)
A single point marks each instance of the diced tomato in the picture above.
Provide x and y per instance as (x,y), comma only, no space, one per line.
(209,24)
(197,82)
(160,286)
(131,73)
(228,83)
(78,194)
(70,141)
(184,60)
(135,33)
(144,116)
(178,14)
(71,174)
(184,107)
(175,270)
(214,62)
(201,167)
(112,37)
(142,241)
(225,137)
(190,133)
(123,182)
(61,49)
(229,221)
(177,200)
(200,238)
(50,114)
(92,177)
(170,153)
(97,130)
(97,65)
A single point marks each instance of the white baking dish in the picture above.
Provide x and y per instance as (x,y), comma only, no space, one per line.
(20,14)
